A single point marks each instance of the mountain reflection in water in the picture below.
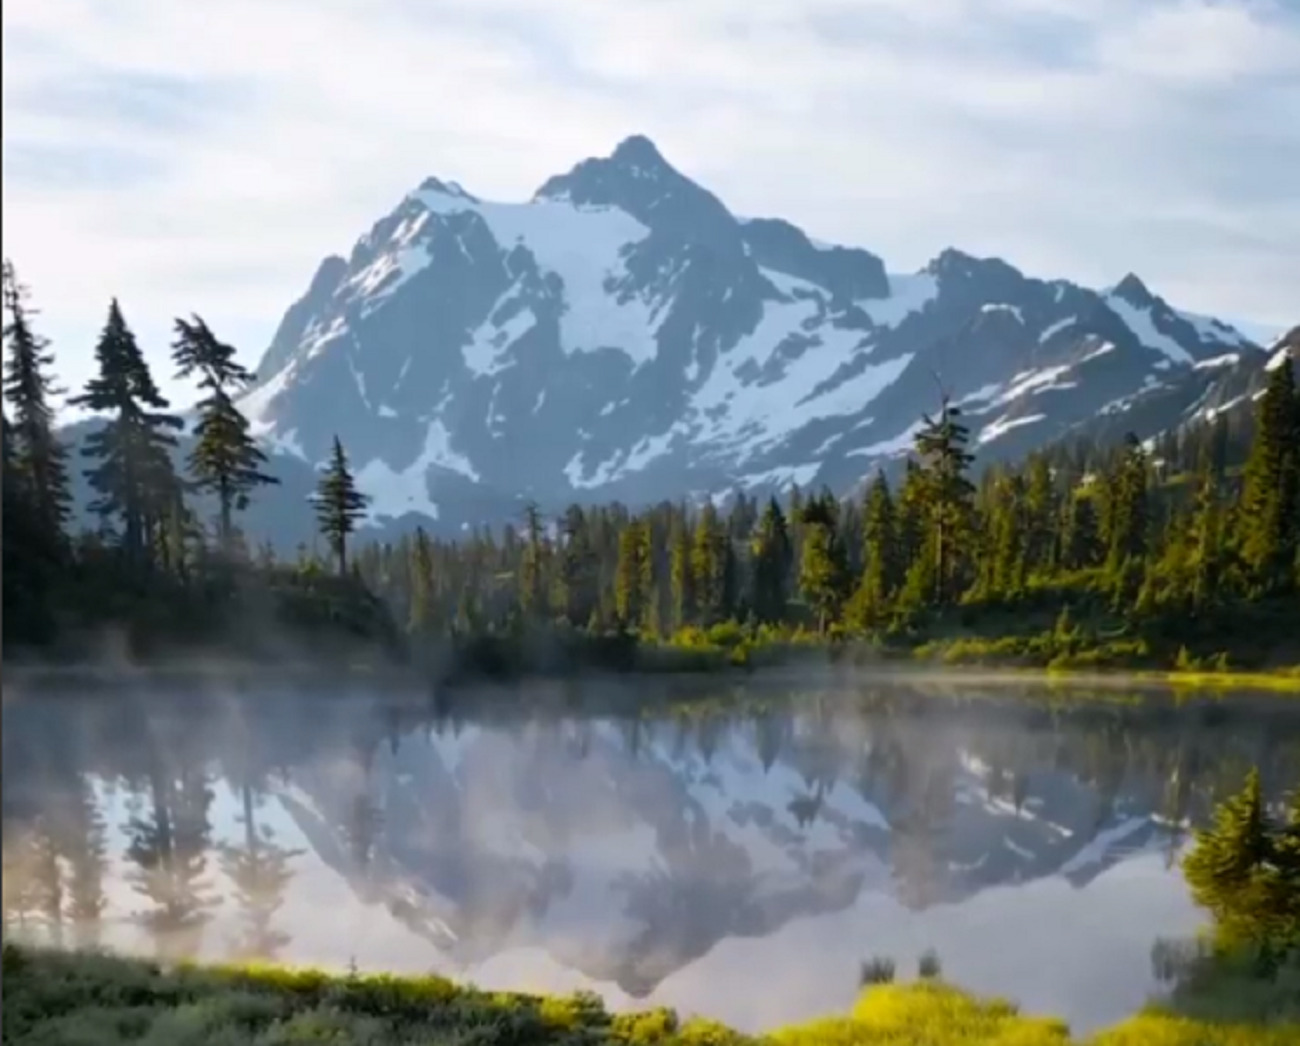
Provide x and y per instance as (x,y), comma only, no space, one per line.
(727,856)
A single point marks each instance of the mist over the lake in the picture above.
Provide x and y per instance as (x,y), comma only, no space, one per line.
(669,843)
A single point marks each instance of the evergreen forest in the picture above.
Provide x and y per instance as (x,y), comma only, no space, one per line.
(1182,553)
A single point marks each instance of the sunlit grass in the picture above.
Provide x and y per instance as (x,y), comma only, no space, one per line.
(58,999)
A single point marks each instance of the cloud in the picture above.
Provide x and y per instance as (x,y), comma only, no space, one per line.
(186,156)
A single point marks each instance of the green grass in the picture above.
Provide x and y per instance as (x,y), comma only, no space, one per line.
(59,999)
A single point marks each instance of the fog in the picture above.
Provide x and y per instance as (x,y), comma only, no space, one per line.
(736,849)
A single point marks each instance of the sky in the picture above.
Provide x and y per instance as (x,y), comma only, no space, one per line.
(187,156)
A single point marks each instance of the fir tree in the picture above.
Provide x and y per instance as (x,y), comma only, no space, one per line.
(35,453)
(225,459)
(1244,871)
(1081,545)
(881,573)
(532,582)
(681,574)
(1128,514)
(1271,494)
(421,614)
(709,566)
(941,447)
(821,566)
(134,478)
(772,555)
(576,577)
(339,505)
(635,580)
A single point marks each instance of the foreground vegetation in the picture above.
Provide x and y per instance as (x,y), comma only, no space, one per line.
(1236,987)
(1183,556)
(79,1000)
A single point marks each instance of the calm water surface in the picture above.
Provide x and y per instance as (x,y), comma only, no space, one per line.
(737,854)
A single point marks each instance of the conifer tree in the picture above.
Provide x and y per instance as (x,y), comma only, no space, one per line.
(1011,536)
(533,565)
(821,567)
(941,447)
(225,460)
(35,452)
(681,574)
(709,566)
(1208,542)
(1244,871)
(421,614)
(576,577)
(1271,493)
(339,505)
(1128,515)
(28,559)
(1081,545)
(881,571)
(134,478)
(634,581)
(771,552)
(1042,510)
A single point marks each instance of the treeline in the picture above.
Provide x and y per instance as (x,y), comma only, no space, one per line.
(1119,554)
(152,561)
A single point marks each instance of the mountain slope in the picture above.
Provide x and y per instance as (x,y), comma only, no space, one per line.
(1218,387)
(623,335)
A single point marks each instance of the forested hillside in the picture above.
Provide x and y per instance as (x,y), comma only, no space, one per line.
(1187,549)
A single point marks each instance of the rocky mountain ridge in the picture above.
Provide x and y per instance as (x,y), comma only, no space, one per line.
(623,336)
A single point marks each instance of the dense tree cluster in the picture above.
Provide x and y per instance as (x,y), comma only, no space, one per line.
(1245,870)
(1094,540)
(150,539)
(1085,538)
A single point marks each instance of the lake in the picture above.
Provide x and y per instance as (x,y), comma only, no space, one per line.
(731,849)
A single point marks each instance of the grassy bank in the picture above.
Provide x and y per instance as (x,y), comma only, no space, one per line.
(78,1000)
(559,651)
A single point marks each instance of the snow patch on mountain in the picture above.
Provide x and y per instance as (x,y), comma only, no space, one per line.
(585,248)
(393,494)
(256,407)
(908,295)
(776,381)
(1012,310)
(1212,330)
(1140,322)
(999,428)
(1228,359)
(897,445)
(1053,329)
(622,335)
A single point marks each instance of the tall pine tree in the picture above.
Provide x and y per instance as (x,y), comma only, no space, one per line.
(941,447)
(225,460)
(1271,494)
(134,479)
(339,504)
(34,453)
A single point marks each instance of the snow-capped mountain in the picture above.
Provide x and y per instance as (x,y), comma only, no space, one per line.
(1226,385)
(628,854)
(623,335)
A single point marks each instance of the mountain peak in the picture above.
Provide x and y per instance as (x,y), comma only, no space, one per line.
(446,188)
(640,151)
(636,165)
(637,179)
(1133,291)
